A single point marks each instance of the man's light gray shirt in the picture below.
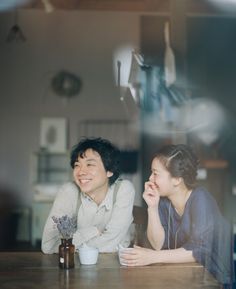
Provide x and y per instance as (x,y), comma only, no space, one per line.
(112,218)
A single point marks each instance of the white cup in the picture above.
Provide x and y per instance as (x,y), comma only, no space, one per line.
(88,255)
(121,250)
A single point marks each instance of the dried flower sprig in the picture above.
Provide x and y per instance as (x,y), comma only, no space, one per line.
(66,225)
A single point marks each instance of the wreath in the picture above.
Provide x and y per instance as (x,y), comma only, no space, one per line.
(66,84)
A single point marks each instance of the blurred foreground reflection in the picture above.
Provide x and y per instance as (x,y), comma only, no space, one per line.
(9,218)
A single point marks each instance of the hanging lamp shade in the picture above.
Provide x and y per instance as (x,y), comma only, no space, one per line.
(15,33)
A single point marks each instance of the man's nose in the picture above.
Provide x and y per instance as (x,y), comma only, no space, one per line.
(81,170)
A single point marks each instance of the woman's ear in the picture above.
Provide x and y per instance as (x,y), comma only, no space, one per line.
(177,181)
(109,174)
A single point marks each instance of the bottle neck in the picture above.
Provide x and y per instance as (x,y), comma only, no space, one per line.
(66,241)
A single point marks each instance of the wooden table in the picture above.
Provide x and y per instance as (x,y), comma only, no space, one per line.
(31,270)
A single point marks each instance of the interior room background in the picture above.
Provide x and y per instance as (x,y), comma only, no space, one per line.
(85,43)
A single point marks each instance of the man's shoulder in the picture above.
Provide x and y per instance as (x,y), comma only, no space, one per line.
(124,186)
(125,183)
(122,190)
(69,188)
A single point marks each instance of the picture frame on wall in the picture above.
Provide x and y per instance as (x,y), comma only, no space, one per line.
(53,134)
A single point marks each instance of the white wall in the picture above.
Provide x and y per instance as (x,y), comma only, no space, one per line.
(81,42)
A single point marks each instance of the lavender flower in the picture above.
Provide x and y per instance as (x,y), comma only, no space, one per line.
(66,225)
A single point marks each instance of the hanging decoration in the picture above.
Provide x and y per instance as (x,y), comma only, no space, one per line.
(66,84)
(169,60)
(136,69)
(48,7)
(152,88)
(148,85)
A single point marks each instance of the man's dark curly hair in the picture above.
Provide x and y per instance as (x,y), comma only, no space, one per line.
(180,161)
(109,154)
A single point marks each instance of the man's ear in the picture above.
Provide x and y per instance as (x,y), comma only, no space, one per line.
(109,174)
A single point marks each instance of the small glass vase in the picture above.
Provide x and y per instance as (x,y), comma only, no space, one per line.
(66,254)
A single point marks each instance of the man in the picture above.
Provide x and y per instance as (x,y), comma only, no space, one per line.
(102,203)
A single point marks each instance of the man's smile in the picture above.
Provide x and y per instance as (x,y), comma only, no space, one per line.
(84,181)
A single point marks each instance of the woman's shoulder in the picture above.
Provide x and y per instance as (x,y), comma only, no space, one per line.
(203,197)
(201,193)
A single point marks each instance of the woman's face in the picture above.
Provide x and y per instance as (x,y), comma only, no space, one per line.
(161,178)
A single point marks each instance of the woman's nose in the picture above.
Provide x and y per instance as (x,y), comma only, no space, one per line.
(151,178)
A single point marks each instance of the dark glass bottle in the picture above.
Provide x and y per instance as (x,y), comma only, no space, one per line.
(66,254)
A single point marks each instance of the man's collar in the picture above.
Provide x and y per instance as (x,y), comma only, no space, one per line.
(107,202)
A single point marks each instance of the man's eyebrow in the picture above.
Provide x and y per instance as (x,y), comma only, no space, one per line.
(87,160)
(90,160)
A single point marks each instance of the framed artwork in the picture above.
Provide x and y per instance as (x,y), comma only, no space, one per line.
(53,134)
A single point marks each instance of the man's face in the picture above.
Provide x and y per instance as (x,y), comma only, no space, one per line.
(89,173)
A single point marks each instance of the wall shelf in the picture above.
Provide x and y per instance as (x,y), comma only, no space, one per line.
(50,171)
(51,168)
(214,164)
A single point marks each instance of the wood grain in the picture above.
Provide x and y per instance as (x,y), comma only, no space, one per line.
(32,270)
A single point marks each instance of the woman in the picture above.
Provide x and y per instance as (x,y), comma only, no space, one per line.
(184,222)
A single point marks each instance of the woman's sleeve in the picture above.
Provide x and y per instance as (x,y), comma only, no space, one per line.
(163,214)
(121,219)
(209,238)
(202,216)
(64,204)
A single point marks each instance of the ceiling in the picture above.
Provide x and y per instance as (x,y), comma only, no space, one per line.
(161,6)
(120,5)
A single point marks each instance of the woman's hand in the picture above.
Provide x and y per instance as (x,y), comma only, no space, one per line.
(151,194)
(137,256)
